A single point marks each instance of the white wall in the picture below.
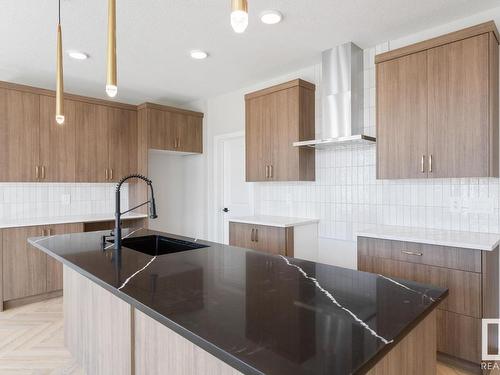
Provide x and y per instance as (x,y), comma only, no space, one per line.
(346,194)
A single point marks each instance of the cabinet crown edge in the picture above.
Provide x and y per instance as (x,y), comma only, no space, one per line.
(482,28)
(282,86)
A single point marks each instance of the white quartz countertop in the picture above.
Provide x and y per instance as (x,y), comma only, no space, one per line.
(468,240)
(274,221)
(12,223)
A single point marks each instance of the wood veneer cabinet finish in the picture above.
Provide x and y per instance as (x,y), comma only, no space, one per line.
(470,275)
(173,129)
(19,135)
(276,117)
(273,240)
(437,107)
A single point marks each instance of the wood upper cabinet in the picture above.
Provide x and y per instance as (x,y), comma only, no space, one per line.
(19,135)
(122,143)
(57,142)
(172,129)
(458,108)
(275,118)
(437,107)
(402,115)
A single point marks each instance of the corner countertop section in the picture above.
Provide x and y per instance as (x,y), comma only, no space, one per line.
(35,221)
(274,221)
(260,313)
(452,238)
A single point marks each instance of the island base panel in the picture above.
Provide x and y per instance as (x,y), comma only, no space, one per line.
(159,350)
(97,326)
(414,355)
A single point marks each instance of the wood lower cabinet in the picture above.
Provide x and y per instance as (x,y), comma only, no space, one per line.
(437,107)
(24,267)
(273,240)
(276,117)
(471,276)
(54,267)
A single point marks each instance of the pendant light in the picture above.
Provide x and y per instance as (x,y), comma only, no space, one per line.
(59,74)
(239,15)
(111,81)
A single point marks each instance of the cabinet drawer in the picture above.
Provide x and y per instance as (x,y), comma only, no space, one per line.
(434,255)
(459,335)
(264,238)
(464,287)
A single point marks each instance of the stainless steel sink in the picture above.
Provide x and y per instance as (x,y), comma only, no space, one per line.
(159,245)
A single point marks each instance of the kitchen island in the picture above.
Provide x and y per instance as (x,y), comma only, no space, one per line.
(219,309)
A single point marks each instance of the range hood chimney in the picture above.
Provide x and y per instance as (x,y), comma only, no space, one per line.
(342,98)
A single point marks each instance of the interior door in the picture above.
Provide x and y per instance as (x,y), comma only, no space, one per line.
(122,140)
(237,193)
(402,117)
(19,132)
(256,151)
(91,149)
(24,267)
(57,142)
(458,108)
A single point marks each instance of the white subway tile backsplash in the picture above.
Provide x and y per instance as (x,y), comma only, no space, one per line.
(346,194)
(35,200)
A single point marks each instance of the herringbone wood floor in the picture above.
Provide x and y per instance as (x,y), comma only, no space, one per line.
(32,342)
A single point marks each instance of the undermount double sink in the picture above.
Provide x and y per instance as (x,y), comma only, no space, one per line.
(159,245)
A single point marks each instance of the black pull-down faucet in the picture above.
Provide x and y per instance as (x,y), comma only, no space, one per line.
(118,214)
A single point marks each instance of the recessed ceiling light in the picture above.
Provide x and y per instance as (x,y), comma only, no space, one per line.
(78,55)
(198,54)
(271,17)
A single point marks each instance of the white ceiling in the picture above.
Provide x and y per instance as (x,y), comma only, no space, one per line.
(155,37)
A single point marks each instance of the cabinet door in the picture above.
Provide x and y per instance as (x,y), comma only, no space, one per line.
(122,137)
(189,134)
(241,235)
(19,134)
(57,142)
(54,267)
(162,130)
(24,267)
(91,149)
(257,138)
(284,130)
(458,108)
(402,117)
(270,240)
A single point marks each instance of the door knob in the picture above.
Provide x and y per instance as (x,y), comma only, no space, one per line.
(225,209)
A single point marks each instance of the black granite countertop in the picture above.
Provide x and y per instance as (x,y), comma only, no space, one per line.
(259,313)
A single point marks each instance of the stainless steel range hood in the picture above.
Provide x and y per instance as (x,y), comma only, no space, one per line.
(342,98)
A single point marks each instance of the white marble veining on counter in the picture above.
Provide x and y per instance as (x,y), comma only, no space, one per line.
(28,222)
(468,240)
(274,221)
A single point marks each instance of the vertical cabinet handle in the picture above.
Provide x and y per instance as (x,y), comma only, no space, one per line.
(43,172)
(37,172)
(251,235)
(271,171)
(111,174)
(267,171)
(430,163)
(422,164)
(178,141)
(256,235)
(106,175)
